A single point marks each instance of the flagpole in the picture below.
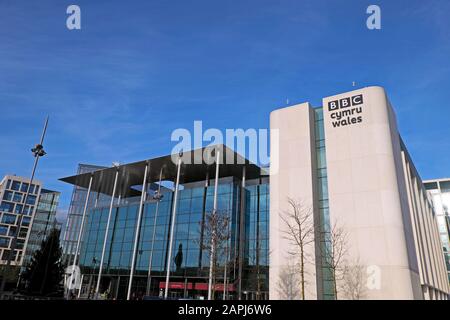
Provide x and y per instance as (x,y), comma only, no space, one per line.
(150,260)
(214,220)
(172,228)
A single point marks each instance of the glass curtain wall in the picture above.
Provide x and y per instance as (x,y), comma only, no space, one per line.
(256,262)
(190,260)
(69,236)
(324,212)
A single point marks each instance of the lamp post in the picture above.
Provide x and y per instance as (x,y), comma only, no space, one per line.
(38,151)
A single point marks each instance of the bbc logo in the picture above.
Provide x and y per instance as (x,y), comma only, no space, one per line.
(345,102)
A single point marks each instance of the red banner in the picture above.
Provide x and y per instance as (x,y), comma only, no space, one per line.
(201,286)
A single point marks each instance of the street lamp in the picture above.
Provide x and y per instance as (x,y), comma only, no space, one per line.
(38,151)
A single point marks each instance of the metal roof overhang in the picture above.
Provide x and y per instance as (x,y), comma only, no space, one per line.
(132,174)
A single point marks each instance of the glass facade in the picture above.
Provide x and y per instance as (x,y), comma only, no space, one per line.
(256,264)
(43,222)
(70,233)
(440,192)
(324,213)
(190,259)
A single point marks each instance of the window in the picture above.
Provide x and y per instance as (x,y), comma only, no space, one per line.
(431,185)
(8,195)
(15,185)
(26,221)
(184,206)
(132,213)
(224,188)
(9,219)
(129,235)
(5,255)
(17,197)
(182,218)
(6,206)
(23,232)
(12,231)
(19,244)
(28,210)
(122,213)
(18,209)
(192,257)
(8,184)
(4,242)
(24,187)
(197,205)
(31,199)
(3,230)
(445,186)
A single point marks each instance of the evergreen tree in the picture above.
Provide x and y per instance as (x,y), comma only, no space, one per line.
(44,273)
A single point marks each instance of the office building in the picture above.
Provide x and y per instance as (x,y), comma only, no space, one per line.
(142,221)
(346,161)
(440,193)
(43,222)
(12,197)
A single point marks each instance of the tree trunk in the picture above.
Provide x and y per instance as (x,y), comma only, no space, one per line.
(302,264)
(335,285)
(302,273)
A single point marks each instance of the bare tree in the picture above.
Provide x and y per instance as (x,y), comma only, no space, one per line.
(216,233)
(335,251)
(288,282)
(354,281)
(299,223)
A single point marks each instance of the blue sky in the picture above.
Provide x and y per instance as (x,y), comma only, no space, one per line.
(137,70)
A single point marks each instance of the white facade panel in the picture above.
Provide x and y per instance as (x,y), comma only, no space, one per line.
(292,177)
(362,163)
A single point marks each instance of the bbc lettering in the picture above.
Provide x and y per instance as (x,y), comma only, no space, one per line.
(346,111)
(345,102)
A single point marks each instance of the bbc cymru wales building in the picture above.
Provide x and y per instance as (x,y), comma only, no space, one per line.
(347,162)
(344,161)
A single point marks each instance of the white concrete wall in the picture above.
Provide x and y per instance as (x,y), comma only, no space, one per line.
(291,176)
(367,196)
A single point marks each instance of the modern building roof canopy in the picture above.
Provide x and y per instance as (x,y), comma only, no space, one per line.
(194,168)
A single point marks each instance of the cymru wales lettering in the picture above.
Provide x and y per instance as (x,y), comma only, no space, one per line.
(346,111)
